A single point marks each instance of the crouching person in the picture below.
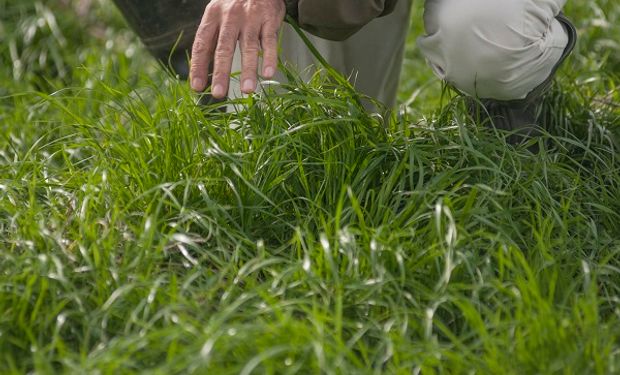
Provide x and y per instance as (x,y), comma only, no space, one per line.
(502,53)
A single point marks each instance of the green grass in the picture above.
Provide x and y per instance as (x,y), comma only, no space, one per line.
(142,233)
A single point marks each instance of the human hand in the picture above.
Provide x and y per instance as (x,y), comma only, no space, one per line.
(255,24)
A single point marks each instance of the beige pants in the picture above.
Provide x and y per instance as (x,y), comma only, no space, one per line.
(499,49)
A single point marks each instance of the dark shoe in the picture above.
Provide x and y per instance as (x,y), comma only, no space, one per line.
(520,117)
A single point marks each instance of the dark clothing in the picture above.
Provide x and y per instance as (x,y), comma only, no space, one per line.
(337,19)
(163,23)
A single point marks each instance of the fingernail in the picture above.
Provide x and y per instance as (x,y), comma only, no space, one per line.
(269,72)
(248,85)
(218,91)
(198,84)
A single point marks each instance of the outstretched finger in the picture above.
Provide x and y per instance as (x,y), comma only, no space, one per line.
(249,58)
(269,44)
(223,58)
(202,52)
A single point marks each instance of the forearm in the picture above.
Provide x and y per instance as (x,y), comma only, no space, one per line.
(337,19)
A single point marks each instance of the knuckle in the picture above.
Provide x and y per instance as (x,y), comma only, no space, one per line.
(250,65)
(231,8)
(250,45)
(219,76)
(269,49)
(204,29)
(212,8)
(224,52)
(269,43)
(250,53)
(269,38)
(270,33)
(235,6)
(197,65)
(271,26)
(223,57)
(227,34)
(199,46)
(250,35)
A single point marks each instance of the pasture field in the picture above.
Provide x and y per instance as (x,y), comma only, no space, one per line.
(142,233)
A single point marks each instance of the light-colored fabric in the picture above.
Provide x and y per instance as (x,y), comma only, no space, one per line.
(372,57)
(498,49)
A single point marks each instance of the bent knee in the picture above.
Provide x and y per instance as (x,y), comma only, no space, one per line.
(491,48)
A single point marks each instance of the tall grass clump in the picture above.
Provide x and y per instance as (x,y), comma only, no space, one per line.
(298,232)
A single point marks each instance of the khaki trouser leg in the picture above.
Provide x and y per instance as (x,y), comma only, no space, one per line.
(495,49)
(372,58)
